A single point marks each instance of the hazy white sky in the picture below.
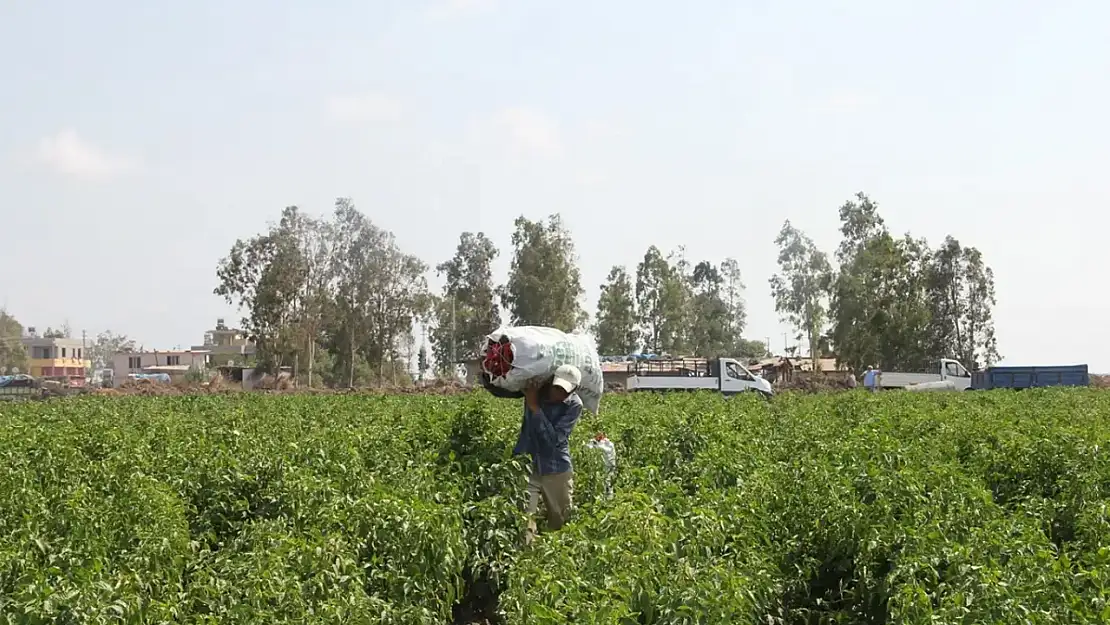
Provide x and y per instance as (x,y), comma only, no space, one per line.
(139,140)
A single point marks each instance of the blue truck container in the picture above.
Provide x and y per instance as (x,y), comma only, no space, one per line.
(1030,377)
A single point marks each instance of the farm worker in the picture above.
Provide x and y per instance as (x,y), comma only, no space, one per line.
(871,379)
(550,414)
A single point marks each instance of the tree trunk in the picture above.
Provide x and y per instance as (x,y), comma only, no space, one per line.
(814,338)
(311,360)
(351,363)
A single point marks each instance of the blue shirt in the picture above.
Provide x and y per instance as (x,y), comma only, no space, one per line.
(869,378)
(545,434)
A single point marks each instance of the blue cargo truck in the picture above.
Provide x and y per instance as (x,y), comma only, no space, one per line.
(1030,377)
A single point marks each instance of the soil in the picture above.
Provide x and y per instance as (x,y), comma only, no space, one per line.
(271,385)
(478,606)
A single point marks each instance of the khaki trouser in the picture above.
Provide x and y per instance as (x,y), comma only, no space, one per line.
(557,490)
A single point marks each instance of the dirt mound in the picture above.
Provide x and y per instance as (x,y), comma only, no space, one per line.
(812,384)
(275,383)
(141,387)
(155,388)
(1100,381)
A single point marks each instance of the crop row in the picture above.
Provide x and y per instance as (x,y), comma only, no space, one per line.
(846,508)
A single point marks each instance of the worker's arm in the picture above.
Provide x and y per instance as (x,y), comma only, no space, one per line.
(550,436)
(497,391)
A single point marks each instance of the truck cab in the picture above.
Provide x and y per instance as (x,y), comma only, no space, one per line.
(736,378)
(955,371)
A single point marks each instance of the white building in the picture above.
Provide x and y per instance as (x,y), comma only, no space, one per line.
(175,362)
(227,345)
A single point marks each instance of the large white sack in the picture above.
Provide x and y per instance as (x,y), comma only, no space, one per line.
(539,351)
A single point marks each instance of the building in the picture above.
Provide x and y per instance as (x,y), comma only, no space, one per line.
(175,363)
(61,359)
(825,366)
(226,345)
(616,374)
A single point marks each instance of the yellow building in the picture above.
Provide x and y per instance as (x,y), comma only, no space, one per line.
(57,358)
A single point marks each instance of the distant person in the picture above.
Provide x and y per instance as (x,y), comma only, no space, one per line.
(872,378)
(550,413)
(850,380)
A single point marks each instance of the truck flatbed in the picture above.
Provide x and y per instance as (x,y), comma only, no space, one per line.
(1030,377)
(725,375)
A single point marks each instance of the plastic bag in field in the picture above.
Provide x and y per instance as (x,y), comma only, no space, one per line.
(609,456)
(513,356)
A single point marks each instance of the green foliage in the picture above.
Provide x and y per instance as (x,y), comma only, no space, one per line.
(663,297)
(987,507)
(63,332)
(422,364)
(13,356)
(467,311)
(195,375)
(712,324)
(732,291)
(893,302)
(107,344)
(545,284)
(801,288)
(696,311)
(960,292)
(341,283)
(750,348)
(879,311)
(616,322)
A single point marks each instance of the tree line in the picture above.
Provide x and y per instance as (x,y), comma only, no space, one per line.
(892,302)
(336,297)
(338,300)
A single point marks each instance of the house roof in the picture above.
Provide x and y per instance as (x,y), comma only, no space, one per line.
(772,362)
(825,365)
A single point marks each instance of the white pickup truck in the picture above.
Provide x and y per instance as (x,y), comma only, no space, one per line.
(950,375)
(726,375)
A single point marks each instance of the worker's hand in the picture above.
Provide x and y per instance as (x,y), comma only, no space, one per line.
(532,394)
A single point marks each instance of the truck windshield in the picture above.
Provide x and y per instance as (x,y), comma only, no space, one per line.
(955,370)
(735,371)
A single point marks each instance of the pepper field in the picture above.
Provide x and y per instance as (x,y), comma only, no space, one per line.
(837,508)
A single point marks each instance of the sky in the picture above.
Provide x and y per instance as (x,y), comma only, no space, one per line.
(139,141)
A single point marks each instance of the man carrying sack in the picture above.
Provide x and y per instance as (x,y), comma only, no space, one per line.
(550,413)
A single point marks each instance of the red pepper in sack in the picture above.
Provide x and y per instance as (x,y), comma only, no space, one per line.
(498,360)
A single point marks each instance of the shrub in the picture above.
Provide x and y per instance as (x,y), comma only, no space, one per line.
(836,508)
